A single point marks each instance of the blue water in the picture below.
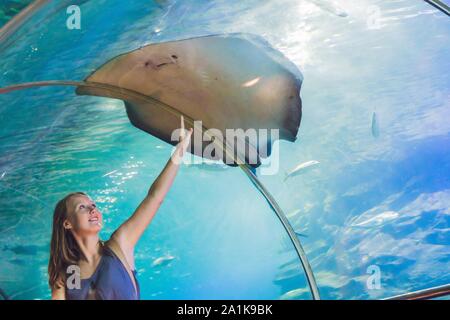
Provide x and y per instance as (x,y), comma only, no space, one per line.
(10,8)
(380,196)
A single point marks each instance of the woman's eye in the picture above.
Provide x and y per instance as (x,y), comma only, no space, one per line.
(82,206)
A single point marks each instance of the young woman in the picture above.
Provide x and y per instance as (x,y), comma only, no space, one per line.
(105,270)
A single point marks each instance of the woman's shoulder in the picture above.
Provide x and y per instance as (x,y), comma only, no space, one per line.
(112,247)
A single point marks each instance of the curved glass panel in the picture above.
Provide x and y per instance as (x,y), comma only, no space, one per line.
(373,210)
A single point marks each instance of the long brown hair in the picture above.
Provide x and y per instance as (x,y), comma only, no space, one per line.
(64,249)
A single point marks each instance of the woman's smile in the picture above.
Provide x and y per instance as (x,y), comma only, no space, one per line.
(94,220)
(95,217)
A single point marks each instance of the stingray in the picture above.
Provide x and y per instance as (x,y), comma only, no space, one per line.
(234,84)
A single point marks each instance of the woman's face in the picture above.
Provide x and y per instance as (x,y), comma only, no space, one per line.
(83,215)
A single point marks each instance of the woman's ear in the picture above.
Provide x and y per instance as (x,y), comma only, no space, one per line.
(67,225)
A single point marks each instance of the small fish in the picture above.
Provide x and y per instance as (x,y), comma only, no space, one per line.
(162,3)
(109,173)
(29,250)
(329,6)
(162,261)
(288,274)
(293,213)
(371,220)
(209,166)
(295,294)
(301,234)
(375,126)
(300,168)
(19,262)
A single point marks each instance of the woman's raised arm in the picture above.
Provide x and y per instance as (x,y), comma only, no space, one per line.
(128,234)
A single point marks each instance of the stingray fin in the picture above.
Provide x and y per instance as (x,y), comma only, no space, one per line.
(228,82)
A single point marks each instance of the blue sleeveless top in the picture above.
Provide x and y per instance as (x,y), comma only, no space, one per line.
(110,281)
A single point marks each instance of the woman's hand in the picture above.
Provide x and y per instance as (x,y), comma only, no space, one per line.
(185,138)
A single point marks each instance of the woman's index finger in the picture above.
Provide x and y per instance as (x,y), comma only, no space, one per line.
(182,127)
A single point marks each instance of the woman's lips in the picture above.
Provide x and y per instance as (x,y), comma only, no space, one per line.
(95,220)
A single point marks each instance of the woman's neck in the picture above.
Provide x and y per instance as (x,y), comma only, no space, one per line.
(90,247)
